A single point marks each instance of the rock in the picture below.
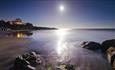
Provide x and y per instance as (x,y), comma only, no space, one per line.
(70,67)
(113,61)
(94,46)
(27,61)
(22,64)
(108,47)
(107,44)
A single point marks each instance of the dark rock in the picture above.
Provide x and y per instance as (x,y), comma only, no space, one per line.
(27,61)
(94,46)
(113,61)
(22,64)
(108,47)
(70,67)
(107,44)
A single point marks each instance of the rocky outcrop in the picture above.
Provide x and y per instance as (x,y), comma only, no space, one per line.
(27,61)
(108,47)
(107,44)
(94,46)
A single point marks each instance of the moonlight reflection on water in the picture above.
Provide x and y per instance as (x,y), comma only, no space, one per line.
(60,46)
(70,52)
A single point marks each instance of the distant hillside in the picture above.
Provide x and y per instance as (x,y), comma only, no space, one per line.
(43,28)
(18,24)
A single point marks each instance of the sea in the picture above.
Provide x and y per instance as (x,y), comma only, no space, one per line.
(56,46)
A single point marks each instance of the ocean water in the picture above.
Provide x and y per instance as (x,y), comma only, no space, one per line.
(64,46)
(57,46)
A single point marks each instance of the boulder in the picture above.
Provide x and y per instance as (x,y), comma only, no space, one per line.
(107,44)
(27,61)
(94,46)
(108,47)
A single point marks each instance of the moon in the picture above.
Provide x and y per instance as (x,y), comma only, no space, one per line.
(61,8)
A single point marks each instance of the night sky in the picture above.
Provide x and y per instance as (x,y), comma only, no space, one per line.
(76,13)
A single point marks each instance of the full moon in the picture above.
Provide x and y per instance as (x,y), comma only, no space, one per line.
(61,8)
